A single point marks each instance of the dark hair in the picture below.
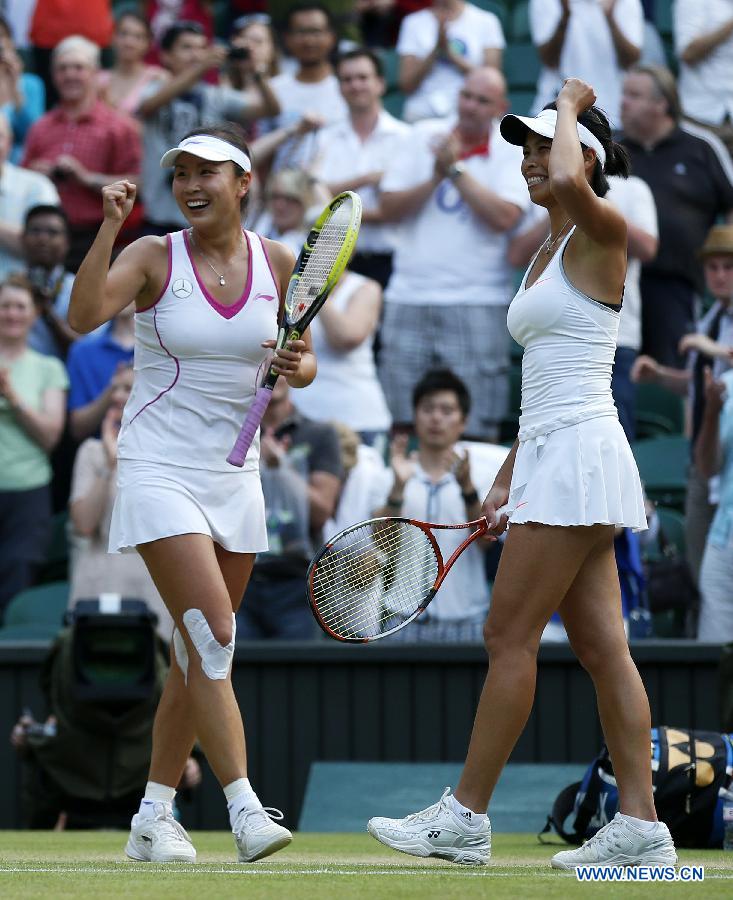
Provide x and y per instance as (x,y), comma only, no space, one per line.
(665,87)
(306,7)
(138,17)
(5,26)
(177,30)
(436,380)
(232,134)
(617,159)
(46,209)
(361,53)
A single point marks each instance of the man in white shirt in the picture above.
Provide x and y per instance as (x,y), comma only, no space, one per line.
(310,97)
(458,190)
(353,154)
(20,190)
(634,199)
(438,47)
(703,37)
(595,40)
(444,481)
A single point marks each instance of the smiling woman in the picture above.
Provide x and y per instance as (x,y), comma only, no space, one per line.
(32,403)
(205,325)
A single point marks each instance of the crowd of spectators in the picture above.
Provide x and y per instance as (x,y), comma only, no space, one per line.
(412,410)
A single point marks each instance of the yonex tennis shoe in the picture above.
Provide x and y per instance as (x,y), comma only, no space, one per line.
(622,843)
(159,838)
(437,831)
(256,835)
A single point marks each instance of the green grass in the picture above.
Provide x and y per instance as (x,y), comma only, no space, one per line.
(315,866)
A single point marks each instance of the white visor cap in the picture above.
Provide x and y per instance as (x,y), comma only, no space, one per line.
(514,130)
(205,146)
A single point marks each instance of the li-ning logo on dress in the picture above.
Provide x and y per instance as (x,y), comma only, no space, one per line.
(182,288)
(264,297)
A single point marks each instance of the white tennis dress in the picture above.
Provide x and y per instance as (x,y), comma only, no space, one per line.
(197,366)
(574,465)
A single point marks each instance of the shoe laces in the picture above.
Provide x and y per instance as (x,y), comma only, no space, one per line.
(607,837)
(425,815)
(257,817)
(170,826)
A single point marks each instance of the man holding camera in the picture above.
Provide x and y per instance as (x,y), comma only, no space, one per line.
(169,109)
(81,144)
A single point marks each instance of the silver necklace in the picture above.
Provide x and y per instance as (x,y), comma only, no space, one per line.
(222,280)
(550,244)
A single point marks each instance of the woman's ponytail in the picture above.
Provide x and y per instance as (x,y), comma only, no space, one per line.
(617,160)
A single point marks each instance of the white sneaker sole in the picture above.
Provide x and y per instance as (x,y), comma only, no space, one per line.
(415,847)
(267,850)
(133,851)
(651,859)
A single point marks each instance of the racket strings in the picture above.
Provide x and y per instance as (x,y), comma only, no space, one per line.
(315,269)
(373,577)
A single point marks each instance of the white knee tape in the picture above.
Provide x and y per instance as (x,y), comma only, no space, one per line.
(180,653)
(215,659)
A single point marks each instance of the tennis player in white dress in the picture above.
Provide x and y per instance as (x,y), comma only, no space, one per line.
(207,301)
(569,480)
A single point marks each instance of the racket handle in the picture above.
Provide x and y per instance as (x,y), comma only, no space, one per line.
(249,429)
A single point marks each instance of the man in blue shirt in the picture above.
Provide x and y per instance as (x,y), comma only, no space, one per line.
(91,364)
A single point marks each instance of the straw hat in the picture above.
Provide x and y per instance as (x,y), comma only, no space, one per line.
(718,241)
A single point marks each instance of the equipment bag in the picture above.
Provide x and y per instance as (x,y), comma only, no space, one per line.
(690,769)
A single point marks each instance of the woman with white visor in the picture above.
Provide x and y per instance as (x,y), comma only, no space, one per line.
(207,302)
(568,482)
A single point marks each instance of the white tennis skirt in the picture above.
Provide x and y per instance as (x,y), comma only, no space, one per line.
(155,500)
(582,474)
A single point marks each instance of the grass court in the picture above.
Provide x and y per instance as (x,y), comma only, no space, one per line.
(316,866)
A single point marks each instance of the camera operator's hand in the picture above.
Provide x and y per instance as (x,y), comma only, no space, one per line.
(214,57)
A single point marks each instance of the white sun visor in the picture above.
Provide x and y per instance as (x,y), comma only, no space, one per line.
(206,146)
(514,130)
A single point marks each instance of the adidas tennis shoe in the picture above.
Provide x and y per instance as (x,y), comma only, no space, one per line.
(257,835)
(437,831)
(621,843)
(159,838)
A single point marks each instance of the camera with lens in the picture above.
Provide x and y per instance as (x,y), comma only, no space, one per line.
(239,54)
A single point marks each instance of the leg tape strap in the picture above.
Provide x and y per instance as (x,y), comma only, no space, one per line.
(215,659)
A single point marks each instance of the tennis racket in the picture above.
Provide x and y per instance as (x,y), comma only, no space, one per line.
(320,264)
(372,579)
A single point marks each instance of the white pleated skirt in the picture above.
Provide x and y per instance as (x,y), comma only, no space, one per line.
(155,500)
(582,474)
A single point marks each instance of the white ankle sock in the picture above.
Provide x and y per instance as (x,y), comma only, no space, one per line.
(465,814)
(239,795)
(155,793)
(641,824)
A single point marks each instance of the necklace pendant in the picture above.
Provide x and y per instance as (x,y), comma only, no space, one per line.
(222,281)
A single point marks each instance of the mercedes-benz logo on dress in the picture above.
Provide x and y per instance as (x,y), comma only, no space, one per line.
(182,288)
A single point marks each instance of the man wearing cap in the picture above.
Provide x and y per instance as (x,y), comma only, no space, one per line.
(711,345)
(458,190)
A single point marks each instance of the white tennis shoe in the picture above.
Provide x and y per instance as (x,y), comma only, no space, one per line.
(159,838)
(623,844)
(436,831)
(257,835)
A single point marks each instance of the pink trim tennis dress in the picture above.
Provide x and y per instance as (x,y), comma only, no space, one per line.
(197,366)
(574,465)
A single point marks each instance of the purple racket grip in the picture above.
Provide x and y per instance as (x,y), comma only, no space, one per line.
(249,429)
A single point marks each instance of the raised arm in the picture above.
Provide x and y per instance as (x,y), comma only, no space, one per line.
(550,51)
(707,451)
(569,163)
(100,292)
